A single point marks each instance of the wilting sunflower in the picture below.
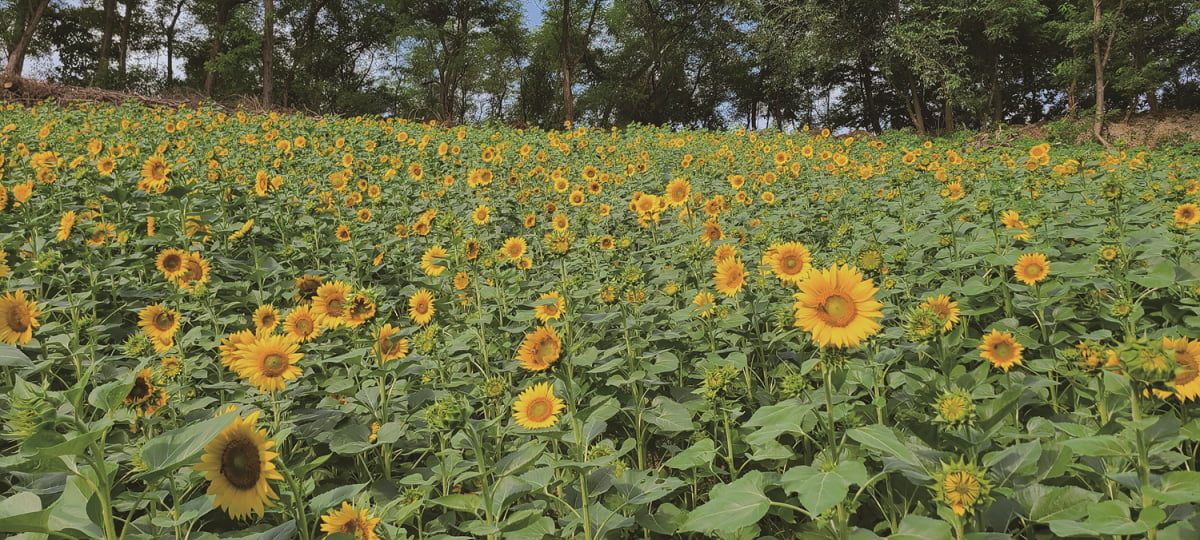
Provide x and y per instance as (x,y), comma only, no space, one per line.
(306,288)
(540,349)
(329,305)
(302,324)
(961,486)
(420,307)
(348,520)
(537,407)
(359,310)
(1031,268)
(789,261)
(159,322)
(269,361)
(514,248)
(145,397)
(837,306)
(65,225)
(1186,385)
(238,464)
(266,318)
(430,259)
(550,306)
(946,310)
(730,276)
(1001,349)
(387,347)
(18,318)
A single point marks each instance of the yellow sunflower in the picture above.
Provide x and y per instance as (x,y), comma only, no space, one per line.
(462,280)
(158,322)
(420,307)
(430,259)
(388,348)
(329,305)
(269,361)
(481,215)
(789,261)
(550,307)
(195,273)
(302,324)
(1187,214)
(1031,268)
(730,276)
(514,248)
(837,306)
(65,225)
(238,464)
(946,310)
(306,288)
(145,398)
(537,407)
(1186,385)
(678,191)
(360,309)
(348,520)
(540,349)
(18,318)
(266,318)
(962,487)
(1001,349)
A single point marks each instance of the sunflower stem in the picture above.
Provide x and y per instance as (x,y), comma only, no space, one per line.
(1143,462)
(729,446)
(827,371)
(297,505)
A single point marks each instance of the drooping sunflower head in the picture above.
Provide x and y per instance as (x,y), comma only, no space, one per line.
(145,397)
(306,288)
(420,307)
(388,346)
(837,306)
(537,407)
(1001,349)
(238,463)
(1031,268)
(355,522)
(18,318)
(540,349)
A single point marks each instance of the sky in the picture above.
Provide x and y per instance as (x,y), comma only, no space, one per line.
(533,12)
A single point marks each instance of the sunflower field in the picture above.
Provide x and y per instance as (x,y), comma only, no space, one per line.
(240,325)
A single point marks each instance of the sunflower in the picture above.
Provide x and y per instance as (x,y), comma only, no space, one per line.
(961,486)
(537,407)
(1031,268)
(195,271)
(481,215)
(342,233)
(462,280)
(789,261)
(1186,385)
(266,318)
(605,242)
(360,309)
(560,223)
(65,225)
(514,248)
(302,324)
(269,361)
(155,170)
(1001,349)
(730,276)
(306,288)
(420,307)
(540,349)
(705,303)
(232,346)
(837,306)
(678,191)
(145,397)
(158,322)
(712,232)
(946,310)
(106,165)
(550,306)
(329,305)
(1011,220)
(388,348)
(1187,214)
(238,463)
(472,248)
(357,523)
(430,259)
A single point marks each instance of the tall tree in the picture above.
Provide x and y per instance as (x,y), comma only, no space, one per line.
(268,51)
(25,24)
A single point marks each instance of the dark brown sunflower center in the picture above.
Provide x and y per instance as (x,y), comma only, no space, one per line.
(240,464)
(268,320)
(274,364)
(163,321)
(546,351)
(334,306)
(303,327)
(539,410)
(791,263)
(140,392)
(17,319)
(421,308)
(838,310)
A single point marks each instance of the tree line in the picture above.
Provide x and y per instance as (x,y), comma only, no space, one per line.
(929,65)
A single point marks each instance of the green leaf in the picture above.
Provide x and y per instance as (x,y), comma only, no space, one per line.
(669,415)
(1179,487)
(111,395)
(333,498)
(1059,503)
(665,519)
(512,463)
(701,453)
(23,512)
(13,357)
(818,490)
(730,506)
(463,502)
(1099,446)
(173,449)
(882,439)
(77,511)
(914,527)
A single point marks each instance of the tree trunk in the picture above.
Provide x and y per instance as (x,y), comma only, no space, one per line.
(997,101)
(268,51)
(123,54)
(16,57)
(1072,99)
(170,34)
(865,79)
(214,51)
(564,46)
(105,52)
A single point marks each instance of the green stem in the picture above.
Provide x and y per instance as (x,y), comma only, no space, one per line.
(1143,461)
(729,446)
(827,371)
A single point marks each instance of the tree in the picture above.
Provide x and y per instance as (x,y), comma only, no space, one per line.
(28,13)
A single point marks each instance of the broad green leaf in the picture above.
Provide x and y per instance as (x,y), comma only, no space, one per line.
(1099,446)
(730,506)
(1178,487)
(882,439)
(23,512)
(669,415)
(914,527)
(463,502)
(513,462)
(173,449)
(332,499)
(701,453)
(1060,503)
(818,490)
